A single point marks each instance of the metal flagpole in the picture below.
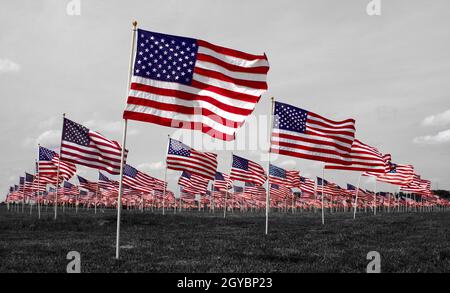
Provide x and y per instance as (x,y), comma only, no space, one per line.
(124,138)
(55,202)
(211,204)
(323,179)
(39,184)
(165,176)
(356,196)
(225,203)
(268,168)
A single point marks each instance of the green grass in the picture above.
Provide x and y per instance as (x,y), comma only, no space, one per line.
(204,242)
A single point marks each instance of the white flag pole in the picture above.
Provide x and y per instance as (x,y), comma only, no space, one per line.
(323,183)
(39,186)
(225,202)
(165,176)
(124,138)
(268,168)
(55,202)
(356,197)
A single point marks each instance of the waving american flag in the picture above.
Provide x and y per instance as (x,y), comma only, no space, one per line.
(188,83)
(82,146)
(304,134)
(48,165)
(180,157)
(247,171)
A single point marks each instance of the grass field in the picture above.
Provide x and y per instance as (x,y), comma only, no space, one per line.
(204,242)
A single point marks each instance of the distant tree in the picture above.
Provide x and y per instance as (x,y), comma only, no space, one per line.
(442,193)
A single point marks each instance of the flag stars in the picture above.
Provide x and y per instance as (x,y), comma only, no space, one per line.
(172,57)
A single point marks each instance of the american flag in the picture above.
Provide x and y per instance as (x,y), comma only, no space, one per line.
(28,184)
(21,184)
(254,191)
(328,187)
(187,83)
(351,189)
(88,148)
(183,158)
(293,178)
(185,179)
(193,183)
(86,184)
(247,171)
(398,174)
(277,175)
(304,134)
(307,186)
(70,189)
(279,192)
(48,165)
(105,183)
(137,179)
(222,181)
(363,158)
(32,184)
(418,185)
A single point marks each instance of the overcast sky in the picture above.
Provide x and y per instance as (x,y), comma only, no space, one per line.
(389,72)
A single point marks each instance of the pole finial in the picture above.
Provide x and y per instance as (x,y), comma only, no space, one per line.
(134,23)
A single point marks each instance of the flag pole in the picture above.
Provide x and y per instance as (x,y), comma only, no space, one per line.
(39,184)
(124,138)
(268,168)
(356,197)
(165,176)
(55,202)
(225,202)
(323,183)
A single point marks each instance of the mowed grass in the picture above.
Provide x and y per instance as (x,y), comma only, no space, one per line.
(204,242)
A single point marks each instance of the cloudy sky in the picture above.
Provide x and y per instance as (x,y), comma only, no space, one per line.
(389,72)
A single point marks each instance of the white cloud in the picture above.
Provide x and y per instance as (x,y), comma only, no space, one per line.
(440,138)
(288,163)
(112,127)
(7,65)
(145,167)
(440,119)
(49,138)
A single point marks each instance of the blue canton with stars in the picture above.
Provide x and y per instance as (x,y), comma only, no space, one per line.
(68,184)
(130,171)
(277,171)
(102,177)
(28,177)
(319,181)
(165,57)
(45,154)
(238,188)
(219,177)
(240,163)
(287,117)
(392,168)
(186,175)
(76,133)
(178,148)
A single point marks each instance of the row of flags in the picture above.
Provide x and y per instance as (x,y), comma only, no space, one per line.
(215,88)
(189,83)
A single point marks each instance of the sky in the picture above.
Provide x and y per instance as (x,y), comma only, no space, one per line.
(390,72)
